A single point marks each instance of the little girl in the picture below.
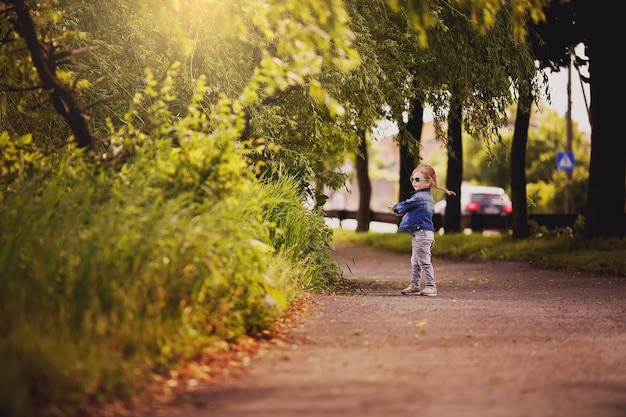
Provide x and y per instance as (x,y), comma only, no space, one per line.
(417,212)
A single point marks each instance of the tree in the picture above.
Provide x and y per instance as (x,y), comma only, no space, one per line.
(381,87)
(454,173)
(607,169)
(545,184)
(407,160)
(46,59)
(257,64)
(568,24)
(519,224)
(365,187)
(548,58)
(435,71)
(492,71)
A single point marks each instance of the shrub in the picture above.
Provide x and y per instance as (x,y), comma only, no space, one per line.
(168,248)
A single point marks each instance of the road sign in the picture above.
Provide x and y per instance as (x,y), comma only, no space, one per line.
(565,161)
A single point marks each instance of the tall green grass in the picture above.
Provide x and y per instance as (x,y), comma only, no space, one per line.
(101,284)
(111,271)
(299,232)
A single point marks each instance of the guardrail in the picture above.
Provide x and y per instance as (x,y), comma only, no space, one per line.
(476,222)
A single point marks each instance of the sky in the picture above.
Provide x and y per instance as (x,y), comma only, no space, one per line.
(558,92)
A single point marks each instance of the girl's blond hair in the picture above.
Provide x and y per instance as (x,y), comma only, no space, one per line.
(432,176)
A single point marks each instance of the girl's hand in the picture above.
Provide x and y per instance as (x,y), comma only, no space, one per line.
(390,206)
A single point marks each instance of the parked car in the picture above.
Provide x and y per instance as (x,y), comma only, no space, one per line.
(480,199)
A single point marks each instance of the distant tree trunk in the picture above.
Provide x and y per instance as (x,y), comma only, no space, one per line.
(406,167)
(605,196)
(364,215)
(407,159)
(454,173)
(519,216)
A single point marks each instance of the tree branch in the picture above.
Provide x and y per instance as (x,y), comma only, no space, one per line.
(63,98)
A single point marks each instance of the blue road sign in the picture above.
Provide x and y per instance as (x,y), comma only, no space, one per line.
(565,161)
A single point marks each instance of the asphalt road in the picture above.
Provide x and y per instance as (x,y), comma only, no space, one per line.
(501,339)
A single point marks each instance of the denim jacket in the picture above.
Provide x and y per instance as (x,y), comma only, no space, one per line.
(418,211)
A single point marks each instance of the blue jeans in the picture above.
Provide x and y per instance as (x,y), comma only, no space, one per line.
(421,246)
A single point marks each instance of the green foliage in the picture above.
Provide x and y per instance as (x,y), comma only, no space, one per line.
(488,163)
(299,232)
(482,12)
(18,159)
(246,51)
(168,249)
(495,68)
(141,280)
(165,245)
(547,187)
(24,106)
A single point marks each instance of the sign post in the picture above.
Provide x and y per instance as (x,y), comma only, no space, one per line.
(565,162)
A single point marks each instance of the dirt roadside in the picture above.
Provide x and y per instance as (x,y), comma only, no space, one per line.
(501,339)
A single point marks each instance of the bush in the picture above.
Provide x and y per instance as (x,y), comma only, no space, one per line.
(166,250)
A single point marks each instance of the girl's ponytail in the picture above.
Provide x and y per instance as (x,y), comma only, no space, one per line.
(430,171)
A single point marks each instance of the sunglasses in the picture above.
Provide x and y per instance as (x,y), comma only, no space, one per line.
(417,179)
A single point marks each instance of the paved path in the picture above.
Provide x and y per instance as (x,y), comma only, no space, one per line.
(501,340)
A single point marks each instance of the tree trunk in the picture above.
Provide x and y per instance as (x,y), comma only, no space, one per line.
(454,174)
(406,167)
(62,97)
(519,216)
(364,214)
(407,160)
(607,167)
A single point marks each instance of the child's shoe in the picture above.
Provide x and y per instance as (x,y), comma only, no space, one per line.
(429,291)
(411,290)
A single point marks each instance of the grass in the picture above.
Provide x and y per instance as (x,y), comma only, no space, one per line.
(597,256)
